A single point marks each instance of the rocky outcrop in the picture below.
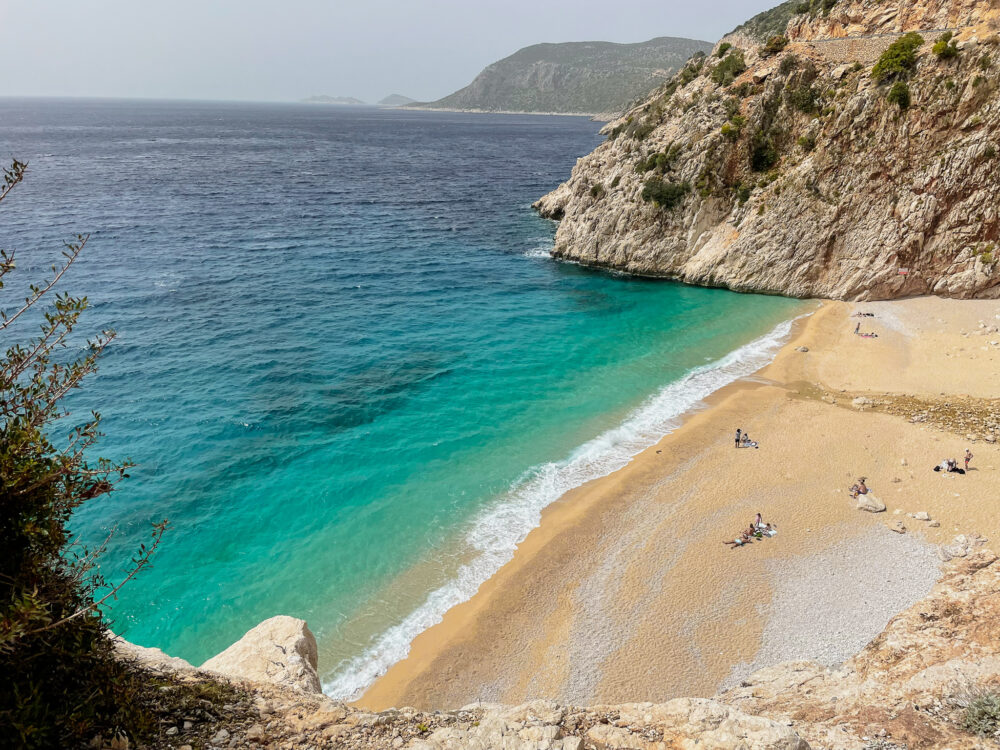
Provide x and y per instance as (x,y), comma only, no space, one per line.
(281,651)
(799,175)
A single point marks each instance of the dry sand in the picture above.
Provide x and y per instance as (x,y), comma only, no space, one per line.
(626,592)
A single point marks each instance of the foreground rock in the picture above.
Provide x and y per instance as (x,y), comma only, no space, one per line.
(800,175)
(909,688)
(281,651)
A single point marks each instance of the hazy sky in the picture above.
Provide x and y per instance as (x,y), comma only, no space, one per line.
(289,49)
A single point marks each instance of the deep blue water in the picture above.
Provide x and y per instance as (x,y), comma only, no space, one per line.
(349,374)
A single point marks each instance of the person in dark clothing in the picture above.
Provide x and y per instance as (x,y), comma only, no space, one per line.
(739,431)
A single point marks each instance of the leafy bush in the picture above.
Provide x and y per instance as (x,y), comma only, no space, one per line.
(615,182)
(899,95)
(732,129)
(597,190)
(899,59)
(61,681)
(666,195)
(985,62)
(807,143)
(729,69)
(945,47)
(774,45)
(803,98)
(723,49)
(788,64)
(763,153)
(982,716)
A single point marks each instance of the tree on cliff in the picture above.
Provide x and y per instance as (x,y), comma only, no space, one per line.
(61,683)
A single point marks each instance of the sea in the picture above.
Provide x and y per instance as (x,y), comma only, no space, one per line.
(347,370)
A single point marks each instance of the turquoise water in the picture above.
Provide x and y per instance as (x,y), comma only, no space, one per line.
(348,372)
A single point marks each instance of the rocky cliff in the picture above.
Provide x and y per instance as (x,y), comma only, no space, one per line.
(931,680)
(574,77)
(791,166)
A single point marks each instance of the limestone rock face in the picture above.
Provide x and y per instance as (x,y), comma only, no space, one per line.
(281,650)
(819,186)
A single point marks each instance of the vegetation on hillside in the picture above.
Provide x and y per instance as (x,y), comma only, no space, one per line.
(584,77)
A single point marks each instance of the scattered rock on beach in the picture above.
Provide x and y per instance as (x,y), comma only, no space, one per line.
(896,526)
(870,503)
(920,516)
(803,349)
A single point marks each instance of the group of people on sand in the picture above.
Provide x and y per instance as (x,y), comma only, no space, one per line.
(950,465)
(743,439)
(758,530)
(869,335)
(857,328)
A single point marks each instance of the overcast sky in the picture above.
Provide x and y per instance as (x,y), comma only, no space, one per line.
(281,50)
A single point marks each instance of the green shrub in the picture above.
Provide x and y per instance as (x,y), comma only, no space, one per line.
(807,143)
(985,62)
(982,716)
(945,48)
(989,153)
(899,59)
(666,195)
(899,95)
(732,129)
(60,680)
(729,69)
(690,71)
(774,45)
(763,153)
(597,190)
(803,98)
(743,192)
(616,182)
(802,8)
(723,49)
(788,64)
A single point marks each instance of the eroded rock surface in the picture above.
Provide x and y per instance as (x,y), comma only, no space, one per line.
(281,650)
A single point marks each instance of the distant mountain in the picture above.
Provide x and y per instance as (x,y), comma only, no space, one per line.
(575,77)
(323,99)
(396,100)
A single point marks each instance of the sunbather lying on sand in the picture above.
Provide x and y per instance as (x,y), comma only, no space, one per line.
(739,541)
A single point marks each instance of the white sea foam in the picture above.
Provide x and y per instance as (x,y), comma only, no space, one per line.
(495,533)
(541,251)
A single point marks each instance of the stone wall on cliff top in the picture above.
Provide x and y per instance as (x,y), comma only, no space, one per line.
(864,200)
(907,690)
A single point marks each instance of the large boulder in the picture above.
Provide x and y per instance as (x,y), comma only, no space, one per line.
(870,503)
(281,650)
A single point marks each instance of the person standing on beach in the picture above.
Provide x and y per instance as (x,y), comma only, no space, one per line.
(857,328)
(738,431)
(968,457)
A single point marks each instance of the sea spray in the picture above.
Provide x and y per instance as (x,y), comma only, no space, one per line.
(495,534)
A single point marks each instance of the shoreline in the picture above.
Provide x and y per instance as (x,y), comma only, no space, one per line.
(595,116)
(600,456)
(519,630)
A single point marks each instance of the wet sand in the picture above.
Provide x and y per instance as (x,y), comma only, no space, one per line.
(626,593)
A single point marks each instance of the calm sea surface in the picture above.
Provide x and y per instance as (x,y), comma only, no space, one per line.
(349,374)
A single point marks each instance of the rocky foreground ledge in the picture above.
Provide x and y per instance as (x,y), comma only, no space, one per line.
(909,688)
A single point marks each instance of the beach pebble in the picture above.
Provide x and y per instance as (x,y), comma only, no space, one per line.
(934,524)
(902,462)
(803,349)
(896,526)
(922,516)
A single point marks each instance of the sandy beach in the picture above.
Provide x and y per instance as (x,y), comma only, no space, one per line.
(625,592)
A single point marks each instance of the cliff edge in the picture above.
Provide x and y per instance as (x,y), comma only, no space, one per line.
(800,165)
(930,680)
